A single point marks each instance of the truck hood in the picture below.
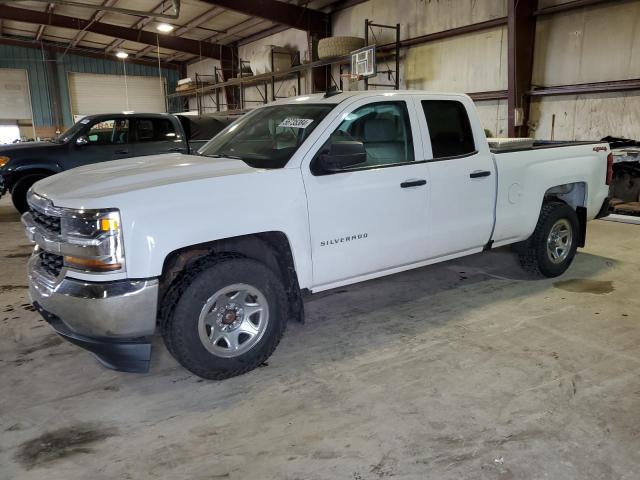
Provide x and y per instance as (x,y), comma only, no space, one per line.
(77,187)
(18,149)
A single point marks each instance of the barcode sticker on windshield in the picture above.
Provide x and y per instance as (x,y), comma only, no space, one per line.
(296,122)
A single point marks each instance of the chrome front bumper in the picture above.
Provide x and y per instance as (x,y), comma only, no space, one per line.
(123,309)
(113,320)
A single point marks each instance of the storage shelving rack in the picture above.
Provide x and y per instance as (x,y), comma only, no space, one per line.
(262,81)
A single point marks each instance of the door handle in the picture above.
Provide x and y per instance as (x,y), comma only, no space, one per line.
(174,150)
(480,173)
(413,183)
(121,152)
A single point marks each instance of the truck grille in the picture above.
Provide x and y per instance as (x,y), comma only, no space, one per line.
(48,222)
(51,263)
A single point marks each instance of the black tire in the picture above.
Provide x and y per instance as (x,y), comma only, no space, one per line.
(20,189)
(186,298)
(533,254)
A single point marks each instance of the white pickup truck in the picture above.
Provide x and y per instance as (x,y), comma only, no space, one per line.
(215,251)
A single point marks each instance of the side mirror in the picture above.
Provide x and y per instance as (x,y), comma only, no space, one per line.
(343,155)
(82,140)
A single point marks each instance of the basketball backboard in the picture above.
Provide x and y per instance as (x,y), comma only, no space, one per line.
(363,62)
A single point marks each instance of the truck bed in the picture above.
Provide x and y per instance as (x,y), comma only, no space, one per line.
(525,174)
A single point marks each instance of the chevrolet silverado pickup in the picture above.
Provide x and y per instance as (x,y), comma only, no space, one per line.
(216,251)
(99,138)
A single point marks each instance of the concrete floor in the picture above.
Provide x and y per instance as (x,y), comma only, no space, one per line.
(464,370)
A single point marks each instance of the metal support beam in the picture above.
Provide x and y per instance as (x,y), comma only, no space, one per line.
(488,95)
(235,32)
(50,8)
(49,58)
(141,36)
(450,33)
(521,38)
(136,26)
(280,12)
(79,51)
(229,64)
(94,18)
(564,7)
(586,88)
(174,4)
(263,34)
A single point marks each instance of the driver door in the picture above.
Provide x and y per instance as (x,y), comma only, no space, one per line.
(107,140)
(372,217)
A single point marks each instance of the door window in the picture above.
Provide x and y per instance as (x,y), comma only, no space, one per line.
(384,129)
(109,132)
(155,130)
(449,128)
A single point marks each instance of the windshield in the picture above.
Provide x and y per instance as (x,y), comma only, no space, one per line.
(267,137)
(67,135)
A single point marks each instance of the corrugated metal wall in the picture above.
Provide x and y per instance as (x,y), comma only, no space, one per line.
(33,62)
(40,81)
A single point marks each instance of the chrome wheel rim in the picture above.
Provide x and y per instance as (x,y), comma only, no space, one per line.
(559,241)
(233,320)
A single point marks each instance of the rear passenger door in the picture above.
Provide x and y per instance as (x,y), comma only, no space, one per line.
(462,177)
(157,135)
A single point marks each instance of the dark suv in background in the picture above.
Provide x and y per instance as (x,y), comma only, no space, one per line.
(101,138)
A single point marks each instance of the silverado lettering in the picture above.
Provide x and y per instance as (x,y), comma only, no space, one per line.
(343,239)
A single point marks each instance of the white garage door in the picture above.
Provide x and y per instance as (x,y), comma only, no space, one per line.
(15,103)
(93,93)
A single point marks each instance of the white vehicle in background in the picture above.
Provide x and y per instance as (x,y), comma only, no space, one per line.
(301,195)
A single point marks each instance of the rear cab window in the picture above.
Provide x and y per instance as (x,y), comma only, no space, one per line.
(449,128)
(154,130)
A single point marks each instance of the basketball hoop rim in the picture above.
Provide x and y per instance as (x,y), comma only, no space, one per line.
(352,76)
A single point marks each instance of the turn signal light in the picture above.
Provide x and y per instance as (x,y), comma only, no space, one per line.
(108,224)
(91,264)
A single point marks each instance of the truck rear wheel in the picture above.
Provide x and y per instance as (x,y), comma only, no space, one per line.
(20,189)
(552,247)
(225,317)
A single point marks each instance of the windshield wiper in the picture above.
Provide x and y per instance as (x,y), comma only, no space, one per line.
(224,155)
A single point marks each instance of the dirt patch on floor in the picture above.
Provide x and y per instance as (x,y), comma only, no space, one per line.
(18,255)
(47,342)
(61,443)
(9,217)
(581,285)
(11,288)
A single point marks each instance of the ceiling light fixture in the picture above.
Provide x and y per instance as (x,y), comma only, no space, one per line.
(122,55)
(164,27)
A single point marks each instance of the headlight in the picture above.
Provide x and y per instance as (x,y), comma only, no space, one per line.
(3,161)
(95,238)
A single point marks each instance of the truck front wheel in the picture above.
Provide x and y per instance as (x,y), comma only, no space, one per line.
(552,247)
(224,317)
